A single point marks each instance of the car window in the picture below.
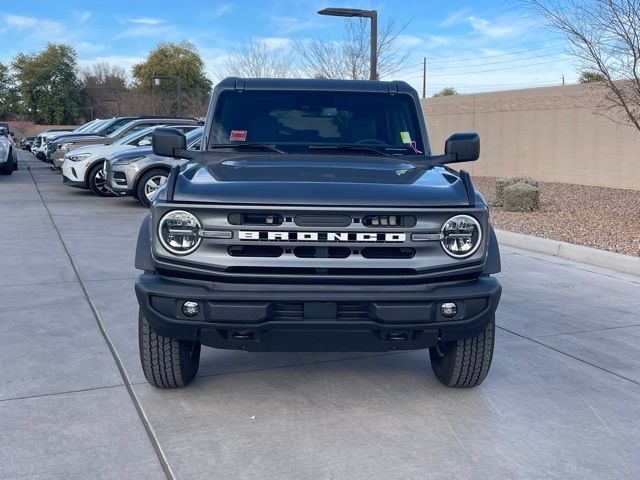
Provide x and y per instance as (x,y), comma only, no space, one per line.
(317,118)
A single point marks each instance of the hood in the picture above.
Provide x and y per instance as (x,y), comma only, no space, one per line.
(319,180)
(81,137)
(101,150)
(129,153)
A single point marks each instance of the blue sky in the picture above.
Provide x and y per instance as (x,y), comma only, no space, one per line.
(474,46)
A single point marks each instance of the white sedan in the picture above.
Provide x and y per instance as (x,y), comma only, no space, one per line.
(83,166)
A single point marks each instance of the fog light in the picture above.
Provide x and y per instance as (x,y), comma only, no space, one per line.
(449,309)
(190,309)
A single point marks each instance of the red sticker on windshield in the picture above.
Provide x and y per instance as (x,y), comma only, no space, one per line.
(238,135)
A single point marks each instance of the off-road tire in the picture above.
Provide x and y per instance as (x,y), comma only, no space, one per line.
(9,166)
(464,363)
(91,182)
(166,362)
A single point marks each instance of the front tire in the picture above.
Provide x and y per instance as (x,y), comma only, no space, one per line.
(149,183)
(97,181)
(166,362)
(464,363)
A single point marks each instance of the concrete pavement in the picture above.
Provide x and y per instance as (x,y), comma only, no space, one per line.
(561,401)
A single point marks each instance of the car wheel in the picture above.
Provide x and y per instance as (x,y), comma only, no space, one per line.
(9,166)
(465,362)
(166,362)
(98,182)
(149,184)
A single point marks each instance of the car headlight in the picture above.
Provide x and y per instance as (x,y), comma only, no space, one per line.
(461,236)
(179,232)
(77,157)
(127,161)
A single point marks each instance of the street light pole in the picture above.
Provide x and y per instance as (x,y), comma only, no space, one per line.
(371,15)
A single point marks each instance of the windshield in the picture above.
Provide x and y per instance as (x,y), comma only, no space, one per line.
(135,135)
(295,119)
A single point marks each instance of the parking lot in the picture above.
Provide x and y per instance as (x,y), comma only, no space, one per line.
(562,399)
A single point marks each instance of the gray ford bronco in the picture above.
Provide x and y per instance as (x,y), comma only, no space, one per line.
(315,218)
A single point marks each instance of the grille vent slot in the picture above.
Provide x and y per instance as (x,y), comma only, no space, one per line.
(255,219)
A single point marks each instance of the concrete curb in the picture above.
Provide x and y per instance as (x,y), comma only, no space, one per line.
(578,253)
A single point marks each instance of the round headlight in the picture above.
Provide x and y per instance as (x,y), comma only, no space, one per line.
(179,232)
(461,236)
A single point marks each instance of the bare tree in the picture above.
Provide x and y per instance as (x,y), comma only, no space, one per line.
(258,59)
(349,58)
(605,36)
(104,87)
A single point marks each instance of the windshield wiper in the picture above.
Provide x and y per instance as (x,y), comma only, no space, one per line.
(357,148)
(272,148)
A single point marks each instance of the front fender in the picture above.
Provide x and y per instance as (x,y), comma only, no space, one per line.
(493,264)
(144,260)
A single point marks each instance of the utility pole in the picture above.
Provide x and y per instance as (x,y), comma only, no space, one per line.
(563,80)
(424,77)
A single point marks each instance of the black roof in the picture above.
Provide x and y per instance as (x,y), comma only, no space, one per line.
(377,86)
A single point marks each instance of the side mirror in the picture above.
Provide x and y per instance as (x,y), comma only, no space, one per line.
(167,142)
(12,134)
(464,147)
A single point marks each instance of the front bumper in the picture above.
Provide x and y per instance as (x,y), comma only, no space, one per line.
(305,318)
(119,178)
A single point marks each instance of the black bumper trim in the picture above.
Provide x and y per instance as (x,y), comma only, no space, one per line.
(246,321)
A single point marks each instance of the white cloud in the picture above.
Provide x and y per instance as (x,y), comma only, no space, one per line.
(87,47)
(490,29)
(286,25)
(408,41)
(276,43)
(82,16)
(146,21)
(146,31)
(455,18)
(36,28)
(219,10)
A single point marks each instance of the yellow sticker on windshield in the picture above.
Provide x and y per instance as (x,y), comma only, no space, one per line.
(405,137)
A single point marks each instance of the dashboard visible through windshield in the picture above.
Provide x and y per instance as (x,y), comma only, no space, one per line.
(292,120)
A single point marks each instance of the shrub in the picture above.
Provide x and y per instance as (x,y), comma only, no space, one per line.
(502,183)
(520,197)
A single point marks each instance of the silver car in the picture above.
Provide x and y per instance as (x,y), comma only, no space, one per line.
(139,173)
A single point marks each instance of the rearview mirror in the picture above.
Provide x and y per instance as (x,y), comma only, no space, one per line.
(167,142)
(463,147)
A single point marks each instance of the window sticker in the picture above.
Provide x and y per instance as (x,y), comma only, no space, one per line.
(405,137)
(238,135)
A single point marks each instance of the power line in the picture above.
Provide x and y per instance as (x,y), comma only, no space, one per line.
(488,71)
(457,59)
(502,61)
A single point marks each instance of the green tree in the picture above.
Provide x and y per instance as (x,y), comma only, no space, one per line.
(7,95)
(445,92)
(49,87)
(173,59)
(590,77)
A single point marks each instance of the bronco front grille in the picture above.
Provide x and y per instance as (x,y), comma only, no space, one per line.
(328,244)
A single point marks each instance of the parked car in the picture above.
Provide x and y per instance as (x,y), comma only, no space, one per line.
(8,154)
(316,218)
(121,127)
(139,173)
(39,148)
(26,142)
(83,166)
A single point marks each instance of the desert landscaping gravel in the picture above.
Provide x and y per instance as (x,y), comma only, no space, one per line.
(599,217)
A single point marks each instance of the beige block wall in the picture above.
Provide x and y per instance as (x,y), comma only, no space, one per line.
(553,134)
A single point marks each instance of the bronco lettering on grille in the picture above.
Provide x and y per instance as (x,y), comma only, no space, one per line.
(344,237)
